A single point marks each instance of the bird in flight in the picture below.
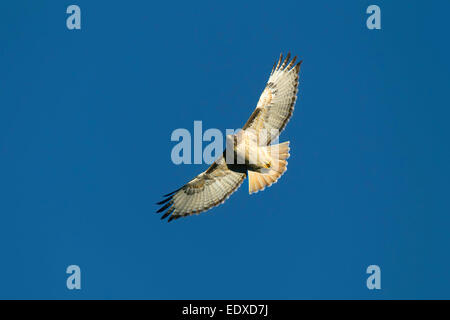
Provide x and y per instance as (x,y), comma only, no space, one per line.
(249,152)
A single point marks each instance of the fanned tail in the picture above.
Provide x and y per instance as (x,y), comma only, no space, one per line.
(259,181)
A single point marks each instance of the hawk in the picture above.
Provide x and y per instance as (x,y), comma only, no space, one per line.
(249,152)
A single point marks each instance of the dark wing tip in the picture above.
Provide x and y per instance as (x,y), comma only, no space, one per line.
(288,56)
(167,213)
(168,204)
(164,201)
(172,217)
(297,66)
(169,194)
(291,64)
(284,63)
(273,68)
(279,61)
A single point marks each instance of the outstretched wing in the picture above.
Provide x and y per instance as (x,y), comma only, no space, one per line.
(207,190)
(276,104)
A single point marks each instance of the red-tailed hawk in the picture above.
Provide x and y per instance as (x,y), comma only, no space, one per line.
(249,151)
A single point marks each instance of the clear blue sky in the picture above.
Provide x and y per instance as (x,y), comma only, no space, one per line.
(85,124)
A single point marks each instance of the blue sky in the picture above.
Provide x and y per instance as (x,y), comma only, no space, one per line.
(85,124)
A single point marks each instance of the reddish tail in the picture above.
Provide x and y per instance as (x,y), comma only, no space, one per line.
(259,181)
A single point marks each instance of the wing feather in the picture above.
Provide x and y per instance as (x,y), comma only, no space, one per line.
(209,189)
(276,103)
